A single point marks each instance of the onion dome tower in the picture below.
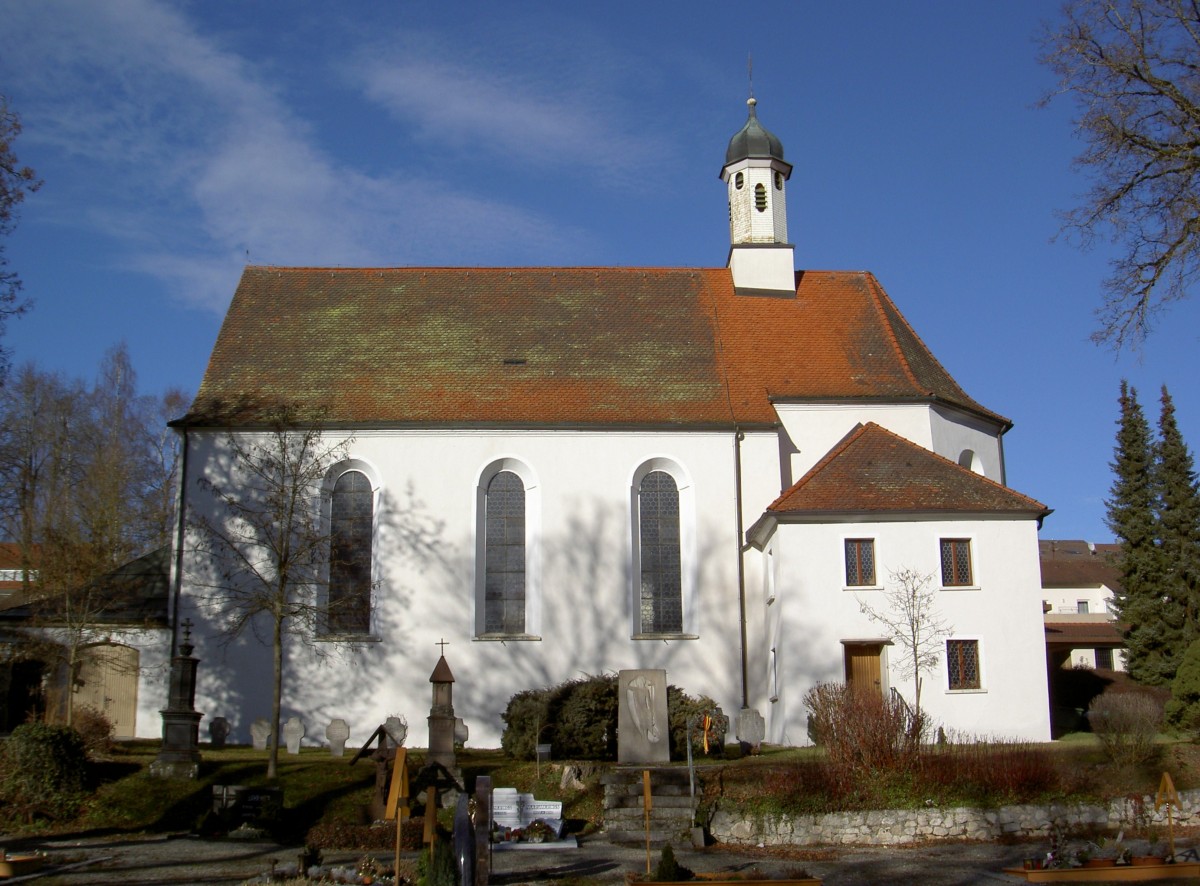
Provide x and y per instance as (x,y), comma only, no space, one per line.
(755,175)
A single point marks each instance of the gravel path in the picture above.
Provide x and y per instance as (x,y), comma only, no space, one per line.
(155,859)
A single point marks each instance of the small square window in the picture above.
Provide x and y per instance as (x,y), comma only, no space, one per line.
(860,562)
(956,562)
(962,663)
(1081,607)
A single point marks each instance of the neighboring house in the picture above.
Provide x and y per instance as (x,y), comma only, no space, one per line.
(1079,580)
(117,625)
(569,471)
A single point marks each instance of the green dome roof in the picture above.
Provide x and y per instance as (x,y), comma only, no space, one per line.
(753,140)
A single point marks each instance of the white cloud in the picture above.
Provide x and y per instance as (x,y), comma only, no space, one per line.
(189,157)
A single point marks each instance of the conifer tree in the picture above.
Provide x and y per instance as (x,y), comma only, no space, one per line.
(1178,504)
(1150,644)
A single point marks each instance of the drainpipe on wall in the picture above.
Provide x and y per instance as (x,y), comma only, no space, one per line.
(738,436)
(182,500)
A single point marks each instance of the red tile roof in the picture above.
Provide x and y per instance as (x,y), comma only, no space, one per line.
(1076,564)
(874,470)
(1084,635)
(559,346)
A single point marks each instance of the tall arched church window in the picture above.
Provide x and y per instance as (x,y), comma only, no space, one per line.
(661,602)
(504,555)
(351,519)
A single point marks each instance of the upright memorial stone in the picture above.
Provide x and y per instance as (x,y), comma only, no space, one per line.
(218,731)
(643,733)
(293,731)
(337,732)
(260,733)
(441,716)
(180,753)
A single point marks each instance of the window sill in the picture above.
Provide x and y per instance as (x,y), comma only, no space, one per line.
(852,588)
(665,636)
(349,638)
(491,638)
(953,588)
(966,692)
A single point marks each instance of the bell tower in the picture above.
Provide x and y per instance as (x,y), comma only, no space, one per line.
(755,176)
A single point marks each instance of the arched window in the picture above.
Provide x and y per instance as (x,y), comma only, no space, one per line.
(760,198)
(350,523)
(661,601)
(504,555)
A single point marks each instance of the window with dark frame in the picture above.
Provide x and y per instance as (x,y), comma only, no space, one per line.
(504,555)
(661,601)
(351,517)
(860,562)
(956,562)
(962,663)
(1104,659)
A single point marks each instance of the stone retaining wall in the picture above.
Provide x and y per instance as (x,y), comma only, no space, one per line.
(890,827)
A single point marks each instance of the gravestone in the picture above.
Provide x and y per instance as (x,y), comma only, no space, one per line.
(643,733)
(514,810)
(179,756)
(293,731)
(397,731)
(218,731)
(461,732)
(337,732)
(751,728)
(260,732)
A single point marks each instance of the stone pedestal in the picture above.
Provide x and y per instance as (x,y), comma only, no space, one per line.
(180,754)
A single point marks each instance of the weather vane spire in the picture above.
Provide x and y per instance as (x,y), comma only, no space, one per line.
(750,72)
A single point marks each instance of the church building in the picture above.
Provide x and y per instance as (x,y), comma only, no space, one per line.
(571,471)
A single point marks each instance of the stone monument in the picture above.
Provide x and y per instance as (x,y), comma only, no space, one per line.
(218,731)
(293,731)
(643,733)
(180,753)
(441,715)
(260,734)
(337,732)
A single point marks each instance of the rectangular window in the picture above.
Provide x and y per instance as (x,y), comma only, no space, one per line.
(962,663)
(956,562)
(860,562)
(1104,659)
(1081,607)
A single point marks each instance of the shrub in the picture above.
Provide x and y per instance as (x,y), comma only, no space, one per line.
(526,713)
(44,772)
(864,734)
(682,707)
(584,714)
(668,870)
(95,730)
(1126,724)
(1183,710)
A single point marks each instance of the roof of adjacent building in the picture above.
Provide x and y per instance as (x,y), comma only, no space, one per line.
(873,470)
(1070,563)
(559,347)
(1084,635)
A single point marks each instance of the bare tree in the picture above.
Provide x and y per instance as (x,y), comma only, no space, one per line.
(912,618)
(81,474)
(15,182)
(266,551)
(1133,69)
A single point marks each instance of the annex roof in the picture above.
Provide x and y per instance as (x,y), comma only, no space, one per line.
(1068,563)
(1081,635)
(872,470)
(558,347)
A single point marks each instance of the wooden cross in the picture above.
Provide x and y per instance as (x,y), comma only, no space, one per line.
(442,643)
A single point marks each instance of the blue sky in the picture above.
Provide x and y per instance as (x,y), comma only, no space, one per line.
(180,141)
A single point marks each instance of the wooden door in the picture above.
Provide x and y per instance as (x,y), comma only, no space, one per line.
(863,670)
(108,682)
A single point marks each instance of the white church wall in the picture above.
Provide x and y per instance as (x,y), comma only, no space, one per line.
(1001,612)
(815,428)
(968,441)
(425,554)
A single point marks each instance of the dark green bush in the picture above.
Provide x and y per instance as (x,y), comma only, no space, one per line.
(44,771)
(578,719)
(682,707)
(1183,710)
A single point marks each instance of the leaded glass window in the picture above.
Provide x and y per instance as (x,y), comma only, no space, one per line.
(504,555)
(962,663)
(658,527)
(860,561)
(351,521)
(956,562)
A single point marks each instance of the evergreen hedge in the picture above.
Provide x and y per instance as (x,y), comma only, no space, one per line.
(43,771)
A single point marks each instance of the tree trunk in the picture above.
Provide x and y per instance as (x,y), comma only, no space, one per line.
(276,691)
